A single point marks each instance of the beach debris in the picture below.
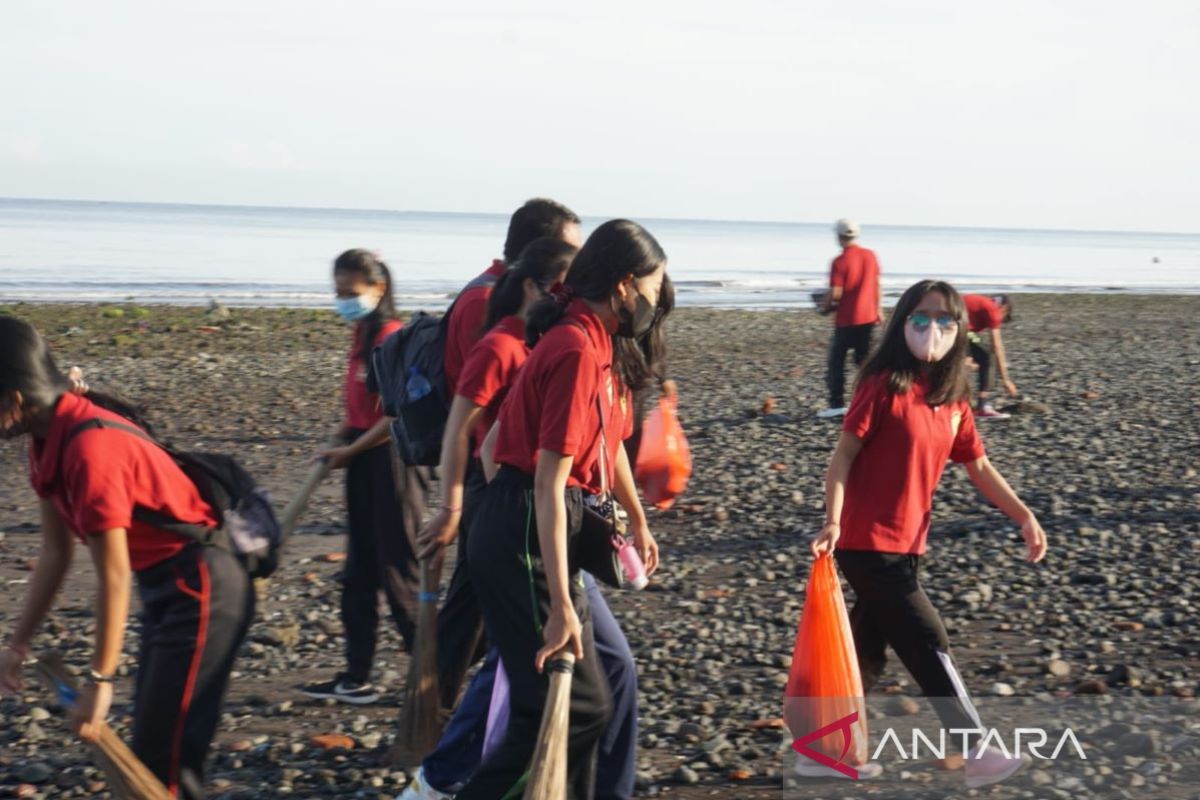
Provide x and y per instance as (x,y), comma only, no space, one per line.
(332,741)
(333,558)
(217,310)
(768,405)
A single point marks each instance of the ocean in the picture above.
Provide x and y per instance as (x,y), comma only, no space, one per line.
(80,251)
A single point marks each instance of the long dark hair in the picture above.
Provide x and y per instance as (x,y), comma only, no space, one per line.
(27,366)
(947,377)
(617,249)
(641,361)
(371,268)
(542,261)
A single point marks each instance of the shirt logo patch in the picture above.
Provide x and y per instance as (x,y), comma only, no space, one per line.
(955,421)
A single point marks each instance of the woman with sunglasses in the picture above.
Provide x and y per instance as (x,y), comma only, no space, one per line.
(911,413)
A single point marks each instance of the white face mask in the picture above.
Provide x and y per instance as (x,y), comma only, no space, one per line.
(929,343)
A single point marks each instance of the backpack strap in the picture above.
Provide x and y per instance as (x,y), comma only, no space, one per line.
(150,516)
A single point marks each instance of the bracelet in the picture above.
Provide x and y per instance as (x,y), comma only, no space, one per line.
(96,677)
(450,510)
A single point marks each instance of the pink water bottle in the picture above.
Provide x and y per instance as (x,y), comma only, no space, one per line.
(635,570)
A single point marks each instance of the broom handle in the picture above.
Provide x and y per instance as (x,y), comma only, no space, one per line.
(317,473)
(548,771)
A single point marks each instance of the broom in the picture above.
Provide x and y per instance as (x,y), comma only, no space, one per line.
(548,770)
(317,473)
(128,778)
(420,715)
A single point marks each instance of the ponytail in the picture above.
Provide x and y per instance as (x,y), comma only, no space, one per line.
(542,261)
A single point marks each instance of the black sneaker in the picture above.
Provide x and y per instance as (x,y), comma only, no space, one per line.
(343,690)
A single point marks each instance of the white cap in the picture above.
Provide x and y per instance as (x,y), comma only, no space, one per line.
(847,228)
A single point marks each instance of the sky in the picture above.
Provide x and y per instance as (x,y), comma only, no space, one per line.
(1078,115)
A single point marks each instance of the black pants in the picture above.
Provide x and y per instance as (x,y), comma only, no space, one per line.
(893,609)
(384,502)
(197,607)
(851,337)
(984,359)
(511,584)
(460,624)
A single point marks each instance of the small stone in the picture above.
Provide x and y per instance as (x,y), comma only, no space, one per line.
(332,741)
(1058,668)
(901,706)
(34,772)
(1003,690)
(685,775)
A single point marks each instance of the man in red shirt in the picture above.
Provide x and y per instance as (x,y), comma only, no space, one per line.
(989,314)
(854,292)
(537,218)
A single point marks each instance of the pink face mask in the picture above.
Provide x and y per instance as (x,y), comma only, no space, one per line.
(930,342)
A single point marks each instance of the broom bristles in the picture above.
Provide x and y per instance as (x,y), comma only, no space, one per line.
(548,770)
(420,716)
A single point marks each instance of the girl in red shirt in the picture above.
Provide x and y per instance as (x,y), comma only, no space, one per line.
(197,601)
(910,414)
(488,372)
(564,408)
(382,518)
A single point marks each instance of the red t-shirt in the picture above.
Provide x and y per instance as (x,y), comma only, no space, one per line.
(552,405)
(982,313)
(857,273)
(362,407)
(99,476)
(465,326)
(491,369)
(889,493)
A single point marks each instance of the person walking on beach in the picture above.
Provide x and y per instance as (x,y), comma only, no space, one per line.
(560,428)
(459,752)
(911,408)
(989,314)
(854,292)
(384,498)
(94,466)
(460,627)
(488,374)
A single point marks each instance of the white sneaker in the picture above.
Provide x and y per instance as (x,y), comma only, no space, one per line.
(830,413)
(807,768)
(418,789)
(992,767)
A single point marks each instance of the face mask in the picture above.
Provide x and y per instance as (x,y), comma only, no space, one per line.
(352,309)
(929,343)
(637,323)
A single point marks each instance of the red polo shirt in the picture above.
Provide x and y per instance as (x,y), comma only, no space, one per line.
(856,271)
(552,405)
(362,407)
(906,443)
(99,476)
(465,326)
(491,369)
(982,313)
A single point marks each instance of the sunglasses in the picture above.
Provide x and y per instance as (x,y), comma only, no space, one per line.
(920,320)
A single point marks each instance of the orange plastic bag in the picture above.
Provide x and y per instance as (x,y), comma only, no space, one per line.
(664,462)
(823,704)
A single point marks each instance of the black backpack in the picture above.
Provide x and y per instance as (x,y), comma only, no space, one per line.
(417,351)
(248,526)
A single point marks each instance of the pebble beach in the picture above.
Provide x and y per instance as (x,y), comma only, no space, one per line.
(1103,444)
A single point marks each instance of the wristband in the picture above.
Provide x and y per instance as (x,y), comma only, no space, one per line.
(95,677)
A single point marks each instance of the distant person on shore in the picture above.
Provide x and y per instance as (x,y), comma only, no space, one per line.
(989,314)
(910,415)
(94,467)
(854,293)
(384,499)
(460,626)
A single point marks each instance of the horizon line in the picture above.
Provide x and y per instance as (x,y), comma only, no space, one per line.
(501,214)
